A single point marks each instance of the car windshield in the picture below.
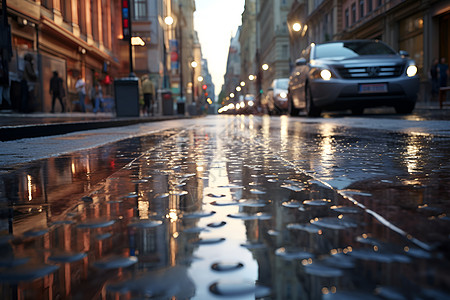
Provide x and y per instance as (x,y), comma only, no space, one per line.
(282,84)
(343,50)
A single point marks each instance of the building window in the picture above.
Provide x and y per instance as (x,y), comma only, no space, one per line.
(411,38)
(140,10)
(347,18)
(353,13)
(361,9)
(47,4)
(380,2)
(369,6)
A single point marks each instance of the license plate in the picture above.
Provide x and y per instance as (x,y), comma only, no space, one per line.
(373,88)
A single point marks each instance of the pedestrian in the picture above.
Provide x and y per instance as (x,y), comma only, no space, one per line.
(57,90)
(98,96)
(4,79)
(80,86)
(148,89)
(443,73)
(28,83)
(434,77)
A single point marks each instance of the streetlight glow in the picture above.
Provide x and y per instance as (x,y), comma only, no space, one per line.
(231,95)
(238,88)
(194,64)
(200,78)
(242,83)
(265,67)
(251,77)
(297,27)
(168,20)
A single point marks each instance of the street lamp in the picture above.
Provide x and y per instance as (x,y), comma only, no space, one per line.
(296,26)
(265,67)
(193,65)
(251,77)
(168,20)
(242,83)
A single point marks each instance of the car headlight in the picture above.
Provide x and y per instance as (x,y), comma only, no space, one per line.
(325,74)
(250,103)
(322,72)
(283,95)
(411,71)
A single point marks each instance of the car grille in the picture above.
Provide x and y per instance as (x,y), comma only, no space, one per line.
(370,72)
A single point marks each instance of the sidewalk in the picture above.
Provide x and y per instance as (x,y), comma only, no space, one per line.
(15,126)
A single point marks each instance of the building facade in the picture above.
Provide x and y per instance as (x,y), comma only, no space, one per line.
(73,37)
(84,38)
(273,45)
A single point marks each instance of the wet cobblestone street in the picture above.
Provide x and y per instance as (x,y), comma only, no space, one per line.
(237,208)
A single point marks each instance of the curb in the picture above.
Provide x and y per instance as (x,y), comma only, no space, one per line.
(10,133)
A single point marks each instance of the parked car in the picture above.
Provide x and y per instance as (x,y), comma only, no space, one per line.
(354,75)
(277,96)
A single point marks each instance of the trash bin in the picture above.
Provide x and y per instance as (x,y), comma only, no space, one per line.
(180,108)
(126,97)
(167,102)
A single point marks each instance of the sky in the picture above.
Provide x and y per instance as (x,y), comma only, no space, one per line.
(216,21)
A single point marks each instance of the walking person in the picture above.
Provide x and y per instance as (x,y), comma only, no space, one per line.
(80,86)
(57,90)
(434,78)
(28,83)
(98,96)
(148,89)
(443,73)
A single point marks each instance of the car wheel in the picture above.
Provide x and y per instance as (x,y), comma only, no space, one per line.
(311,109)
(357,111)
(405,108)
(292,111)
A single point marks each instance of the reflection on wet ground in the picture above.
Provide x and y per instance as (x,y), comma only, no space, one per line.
(246,208)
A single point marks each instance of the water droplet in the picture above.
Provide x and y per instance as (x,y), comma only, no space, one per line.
(334,223)
(246,216)
(209,241)
(67,257)
(252,203)
(291,187)
(161,196)
(291,204)
(224,203)
(215,195)
(321,270)
(253,245)
(141,224)
(340,260)
(233,288)
(322,202)
(346,209)
(115,262)
(291,254)
(257,192)
(303,227)
(26,273)
(90,224)
(226,266)
(217,224)
(11,262)
(198,214)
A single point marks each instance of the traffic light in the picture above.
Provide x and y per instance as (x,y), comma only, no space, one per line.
(204,87)
(126,19)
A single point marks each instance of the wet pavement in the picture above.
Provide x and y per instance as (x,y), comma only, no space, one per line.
(234,208)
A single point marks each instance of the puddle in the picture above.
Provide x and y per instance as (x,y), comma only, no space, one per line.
(218,212)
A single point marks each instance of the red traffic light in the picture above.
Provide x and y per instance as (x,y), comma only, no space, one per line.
(204,87)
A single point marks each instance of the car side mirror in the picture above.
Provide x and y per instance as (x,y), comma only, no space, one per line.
(300,62)
(403,53)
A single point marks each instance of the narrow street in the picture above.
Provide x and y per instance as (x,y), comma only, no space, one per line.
(239,207)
